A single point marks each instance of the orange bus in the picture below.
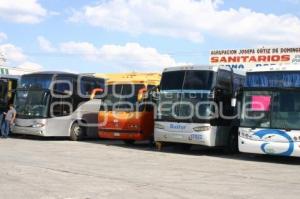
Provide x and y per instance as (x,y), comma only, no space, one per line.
(127,111)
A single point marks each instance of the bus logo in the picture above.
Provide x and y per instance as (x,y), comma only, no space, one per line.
(271,132)
(177,127)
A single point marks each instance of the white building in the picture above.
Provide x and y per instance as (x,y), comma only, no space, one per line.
(5,70)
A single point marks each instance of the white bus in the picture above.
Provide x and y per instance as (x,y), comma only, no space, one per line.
(270,116)
(53,104)
(191,104)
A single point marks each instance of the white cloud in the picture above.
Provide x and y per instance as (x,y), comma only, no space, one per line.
(84,49)
(30,66)
(45,44)
(15,57)
(190,19)
(3,36)
(22,11)
(131,56)
(12,53)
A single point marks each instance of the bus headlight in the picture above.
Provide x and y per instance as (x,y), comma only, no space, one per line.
(159,126)
(37,125)
(246,134)
(201,128)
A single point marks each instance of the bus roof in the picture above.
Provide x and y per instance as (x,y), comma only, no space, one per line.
(285,76)
(59,73)
(275,68)
(204,68)
(143,78)
(14,77)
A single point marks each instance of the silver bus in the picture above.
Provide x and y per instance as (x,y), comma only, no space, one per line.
(53,104)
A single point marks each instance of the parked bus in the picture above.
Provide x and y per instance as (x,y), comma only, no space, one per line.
(270,112)
(127,112)
(8,84)
(52,104)
(193,101)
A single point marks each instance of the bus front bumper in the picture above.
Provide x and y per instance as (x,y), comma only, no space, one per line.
(204,138)
(122,135)
(28,131)
(269,148)
(29,127)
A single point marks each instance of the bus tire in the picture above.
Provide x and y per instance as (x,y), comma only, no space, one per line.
(232,142)
(77,132)
(129,142)
(151,142)
(159,146)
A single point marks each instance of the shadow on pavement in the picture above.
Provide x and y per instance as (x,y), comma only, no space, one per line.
(194,151)
(202,151)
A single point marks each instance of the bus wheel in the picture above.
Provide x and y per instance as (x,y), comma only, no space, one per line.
(151,142)
(232,143)
(76,132)
(129,142)
(158,146)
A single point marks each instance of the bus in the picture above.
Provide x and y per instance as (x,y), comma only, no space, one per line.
(54,104)
(196,107)
(127,111)
(270,111)
(8,84)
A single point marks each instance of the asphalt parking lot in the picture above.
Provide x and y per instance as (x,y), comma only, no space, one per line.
(51,168)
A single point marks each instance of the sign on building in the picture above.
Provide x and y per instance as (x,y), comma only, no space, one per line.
(249,58)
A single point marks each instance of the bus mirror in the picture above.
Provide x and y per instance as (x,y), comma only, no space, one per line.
(141,94)
(233,102)
(154,94)
(96,91)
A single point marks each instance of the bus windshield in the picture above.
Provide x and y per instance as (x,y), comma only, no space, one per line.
(32,103)
(36,81)
(122,97)
(271,109)
(188,80)
(184,106)
(185,96)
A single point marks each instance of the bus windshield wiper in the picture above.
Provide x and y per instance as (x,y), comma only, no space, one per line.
(285,126)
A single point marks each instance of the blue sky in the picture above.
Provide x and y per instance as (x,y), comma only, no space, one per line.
(138,35)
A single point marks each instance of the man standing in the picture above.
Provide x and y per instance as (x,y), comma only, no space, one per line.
(10,117)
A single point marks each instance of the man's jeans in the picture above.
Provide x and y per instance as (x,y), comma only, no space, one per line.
(5,128)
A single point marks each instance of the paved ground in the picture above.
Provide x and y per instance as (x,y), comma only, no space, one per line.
(31,168)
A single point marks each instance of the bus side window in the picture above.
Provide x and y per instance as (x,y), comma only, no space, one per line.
(64,85)
(238,82)
(62,88)
(224,80)
(148,101)
(61,109)
(87,85)
(100,83)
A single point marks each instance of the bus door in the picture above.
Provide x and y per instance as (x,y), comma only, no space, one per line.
(3,94)
(223,96)
(61,106)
